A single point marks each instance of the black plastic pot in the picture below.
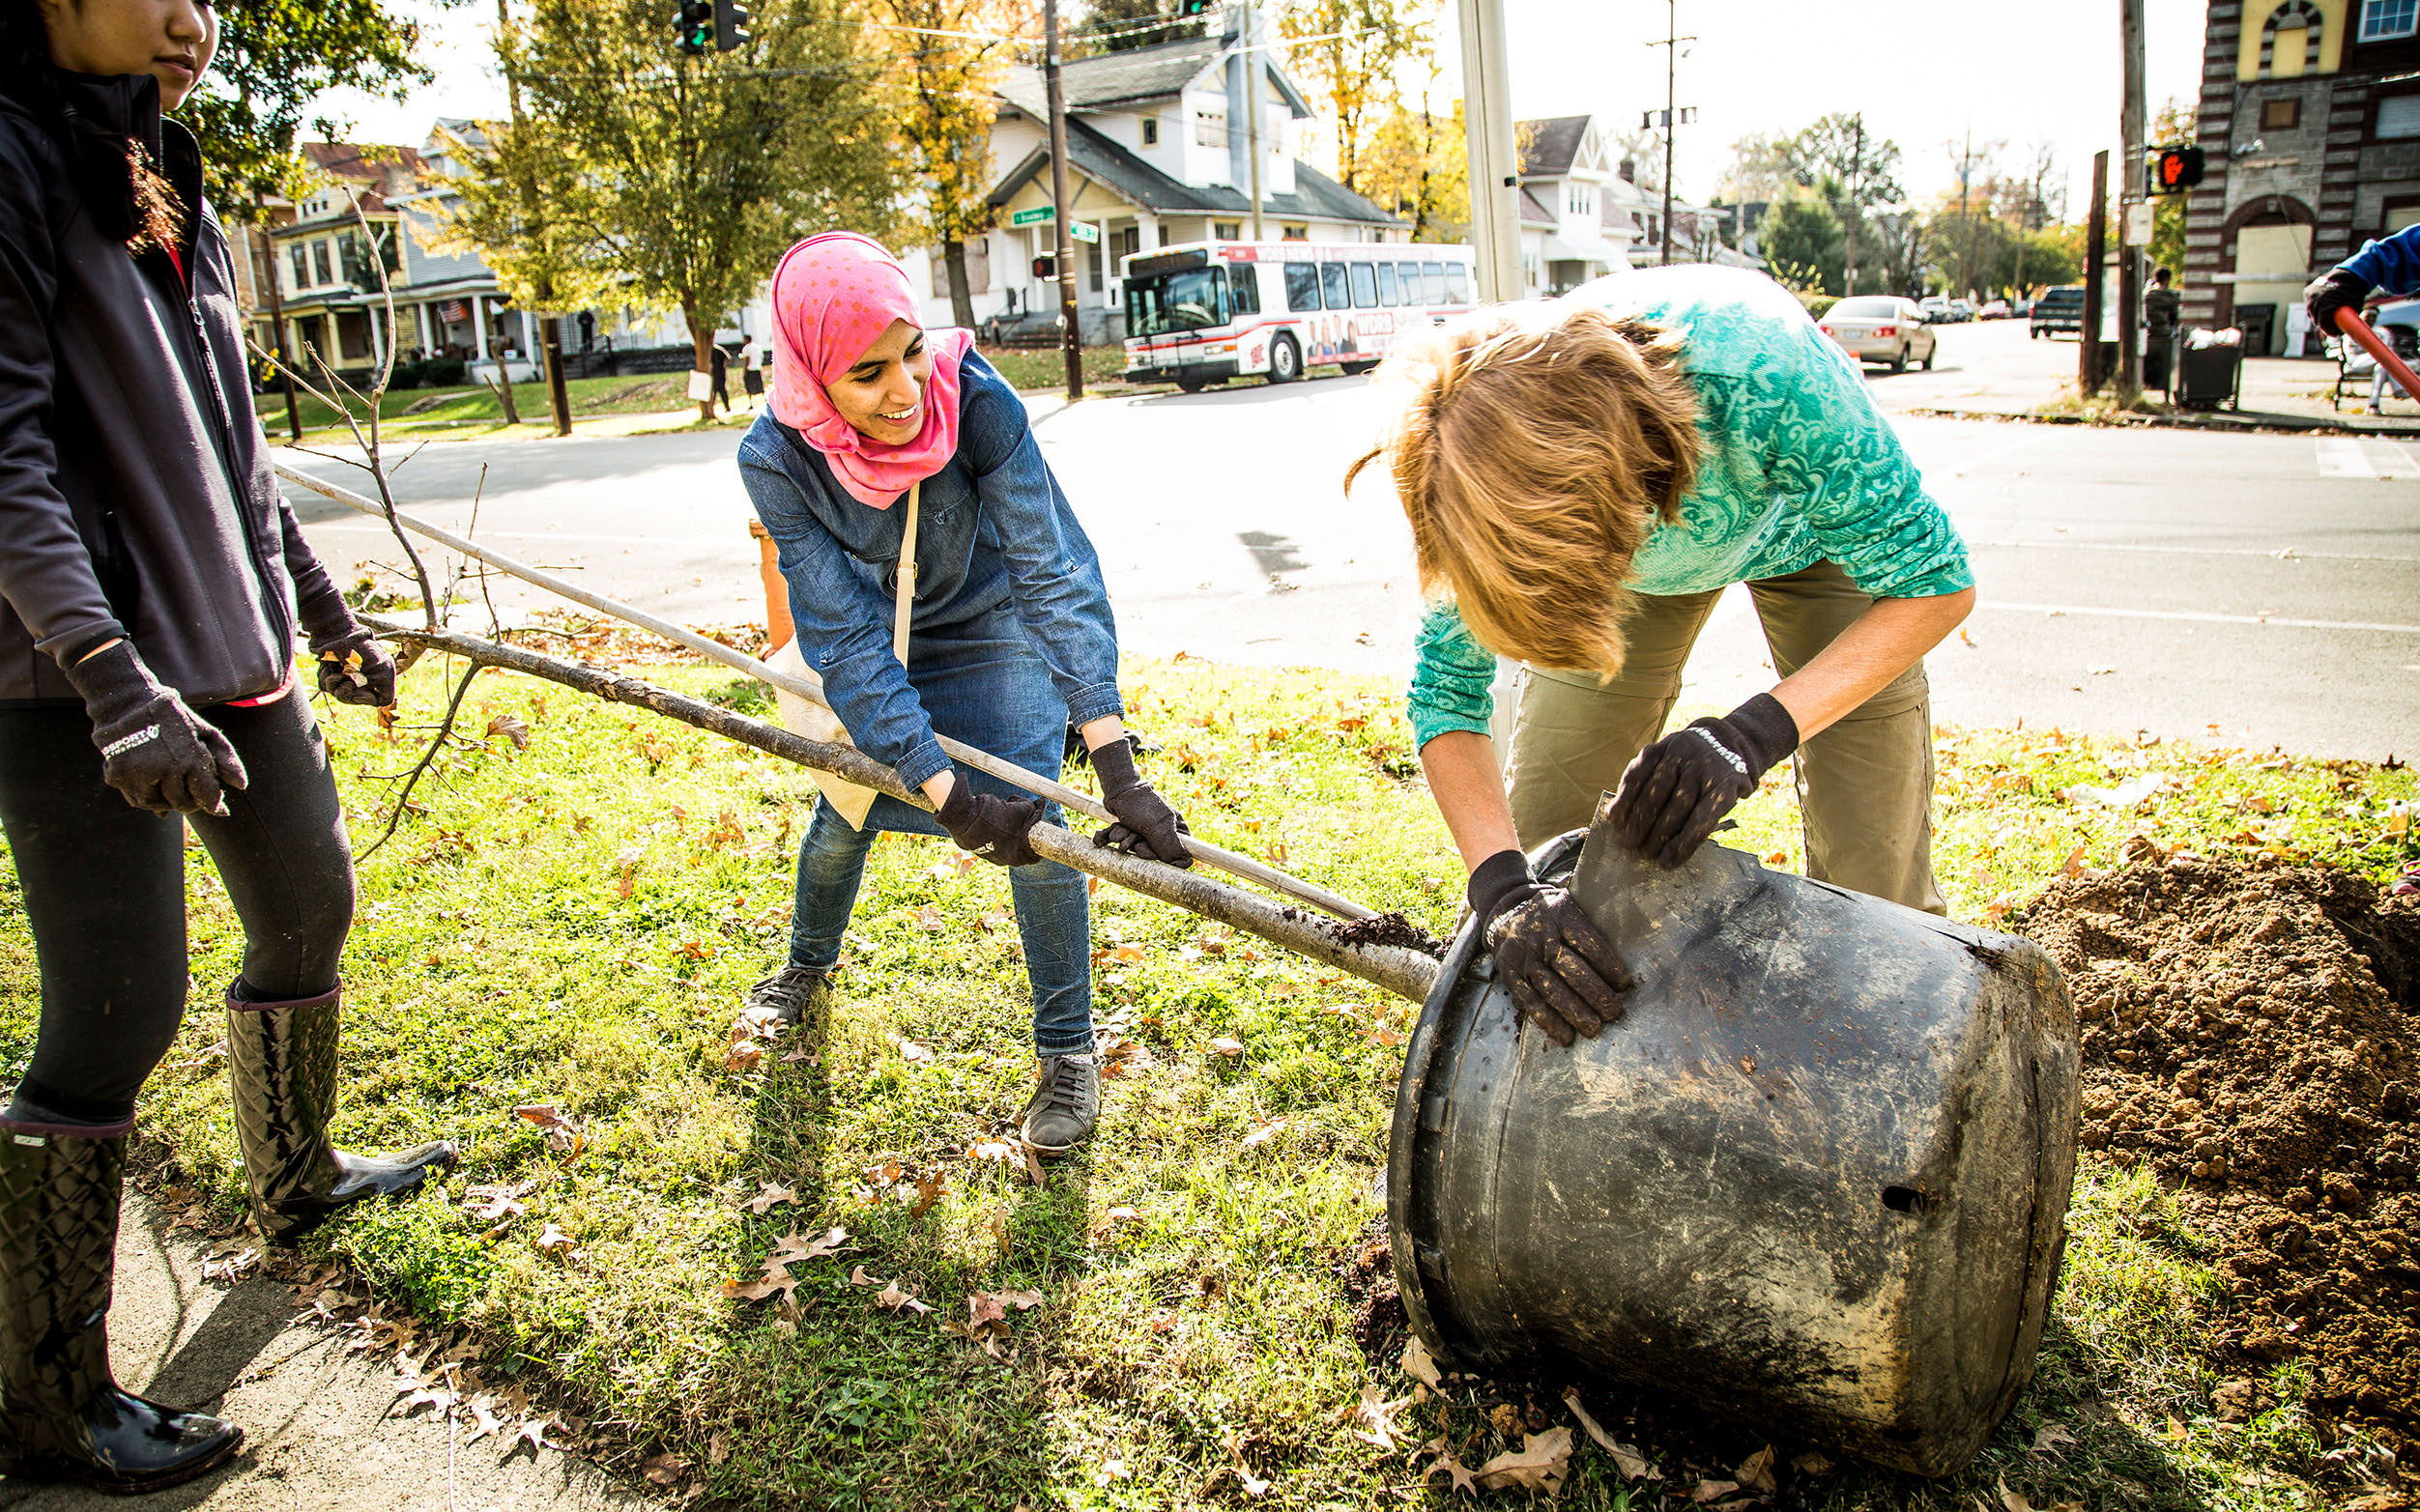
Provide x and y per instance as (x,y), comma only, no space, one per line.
(1816,1179)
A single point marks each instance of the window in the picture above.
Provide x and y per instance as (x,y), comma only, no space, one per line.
(1365,286)
(1243,280)
(1332,284)
(300,260)
(2282,115)
(1226,230)
(1302,286)
(2384,20)
(1386,285)
(1294,233)
(1092,265)
(321,272)
(1432,281)
(1458,284)
(1209,128)
(1407,274)
(1187,300)
(1151,131)
(2398,115)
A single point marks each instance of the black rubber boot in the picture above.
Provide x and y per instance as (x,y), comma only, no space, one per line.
(281,1064)
(62,1415)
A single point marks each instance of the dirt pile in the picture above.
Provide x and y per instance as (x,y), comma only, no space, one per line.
(2253,1037)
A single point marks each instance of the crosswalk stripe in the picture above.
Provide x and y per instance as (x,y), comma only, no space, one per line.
(2339,456)
(2392,459)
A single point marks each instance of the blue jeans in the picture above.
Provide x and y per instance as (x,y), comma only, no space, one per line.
(984,685)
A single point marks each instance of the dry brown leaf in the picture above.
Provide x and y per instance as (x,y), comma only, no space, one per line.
(1419,1366)
(912,1052)
(665,1470)
(892,1299)
(928,1192)
(1813,1466)
(793,1248)
(1540,1463)
(929,920)
(533,1432)
(1464,1481)
(1261,1136)
(766,1200)
(553,1241)
(2052,1436)
(858,1277)
(1376,1417)
(1713,1490)
(1226,1047)
(1756,1472)
(1625,1457)
(511,729)
(742,1056)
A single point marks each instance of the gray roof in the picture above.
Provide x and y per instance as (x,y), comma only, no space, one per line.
(1549,145)
(1091,153)
(1112,80)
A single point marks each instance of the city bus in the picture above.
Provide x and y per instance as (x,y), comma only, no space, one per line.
(1202,312)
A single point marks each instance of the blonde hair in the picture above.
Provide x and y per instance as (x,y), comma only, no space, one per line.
(1534,452)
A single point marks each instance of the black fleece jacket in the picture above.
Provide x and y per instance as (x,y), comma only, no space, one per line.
(135,496)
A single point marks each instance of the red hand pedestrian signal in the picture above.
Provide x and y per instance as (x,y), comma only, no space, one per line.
(2172,170)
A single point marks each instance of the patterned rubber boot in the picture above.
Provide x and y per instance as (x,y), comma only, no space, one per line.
(281,1064)
(62,1415)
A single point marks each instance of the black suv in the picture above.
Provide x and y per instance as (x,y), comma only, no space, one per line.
(2059,309)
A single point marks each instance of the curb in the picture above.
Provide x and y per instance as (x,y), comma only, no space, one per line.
(2248,422)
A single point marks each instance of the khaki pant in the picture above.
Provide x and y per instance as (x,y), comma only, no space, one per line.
(1865,784)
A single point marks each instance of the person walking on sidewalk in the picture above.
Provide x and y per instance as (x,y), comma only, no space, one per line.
(150,582)
(2388,267)
(1583,481)
(897,476)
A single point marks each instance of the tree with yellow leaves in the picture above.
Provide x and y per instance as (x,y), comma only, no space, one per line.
(1349,52)
(947,59)
(1414,165)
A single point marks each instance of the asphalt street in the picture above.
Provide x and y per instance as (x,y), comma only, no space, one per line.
(2252,589)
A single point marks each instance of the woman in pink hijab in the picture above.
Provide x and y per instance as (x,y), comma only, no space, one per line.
(1009,636)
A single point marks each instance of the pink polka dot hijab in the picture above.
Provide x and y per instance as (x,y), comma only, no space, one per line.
(832,295)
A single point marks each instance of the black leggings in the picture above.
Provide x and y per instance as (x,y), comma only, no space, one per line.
(105,892)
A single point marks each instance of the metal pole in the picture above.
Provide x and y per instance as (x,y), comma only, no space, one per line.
(1857,166)
(1487,139)
(2129,193)
(2096,249)
(1071,322)
(810,687)
(277,333)
(1252,114)
(1672,74)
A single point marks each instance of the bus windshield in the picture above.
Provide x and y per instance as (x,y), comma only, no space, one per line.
(1187,300)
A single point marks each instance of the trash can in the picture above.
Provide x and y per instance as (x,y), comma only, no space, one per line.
(2209,370)
(2259,323)
(1814,1180)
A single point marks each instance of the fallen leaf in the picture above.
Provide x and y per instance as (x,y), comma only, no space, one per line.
(1625,1457)
(1756,1472)
(2074,865)
(1262,1136)
(533,1432)
(511,729)
(793,1248)
(2125,795)
(894,1299)
(2052,1436)
(665,1470)
(928,1192)
(1464,1480)
(1226,1047)
(929,920)
(1714,1489)
(1420,1368)
(2011,1501)
(914,1053)
(553,1241)
(742,1056)
(1813,1466)
(483,1418)
(1376,1416)
(1539,1464)
(857,1277)
(766,1200)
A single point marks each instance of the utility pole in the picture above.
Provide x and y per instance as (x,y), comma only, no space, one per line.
(1671,44)
(277,325)
(1064,260)
(1488,143)
(2130,194)
(1966,227)
(1253,91)
(2089,373)
(1857,167)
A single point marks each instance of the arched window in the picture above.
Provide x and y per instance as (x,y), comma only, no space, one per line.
(2290,40)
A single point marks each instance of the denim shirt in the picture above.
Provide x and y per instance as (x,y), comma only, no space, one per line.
(995,537)
(1800,466)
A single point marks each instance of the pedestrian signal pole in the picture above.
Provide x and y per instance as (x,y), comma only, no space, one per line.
(2130,196)
(1071,322)
(1494,168)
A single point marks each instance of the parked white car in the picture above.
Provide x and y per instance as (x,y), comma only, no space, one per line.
(1880,328)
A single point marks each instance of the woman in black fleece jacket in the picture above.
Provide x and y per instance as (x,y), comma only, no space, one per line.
(151,580)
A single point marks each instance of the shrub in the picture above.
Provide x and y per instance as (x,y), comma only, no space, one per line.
(443,372)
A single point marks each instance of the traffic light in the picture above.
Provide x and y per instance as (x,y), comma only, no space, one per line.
(2172,170)
(694,32)
(1046,268)
(1192,7)
(730,24)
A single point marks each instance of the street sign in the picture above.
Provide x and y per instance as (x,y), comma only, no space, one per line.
(1083,232)
(1033,216)
(2138,225)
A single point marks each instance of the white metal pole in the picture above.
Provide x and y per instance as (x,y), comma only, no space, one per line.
(1494,164)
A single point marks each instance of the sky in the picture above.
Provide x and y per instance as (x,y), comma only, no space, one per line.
(1924,73)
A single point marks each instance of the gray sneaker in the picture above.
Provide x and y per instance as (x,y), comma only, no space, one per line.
(799,994)
(1061,1112)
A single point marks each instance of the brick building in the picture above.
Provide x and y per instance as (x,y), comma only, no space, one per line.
(2310,119)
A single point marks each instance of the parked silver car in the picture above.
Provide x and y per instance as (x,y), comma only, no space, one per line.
(1880,328)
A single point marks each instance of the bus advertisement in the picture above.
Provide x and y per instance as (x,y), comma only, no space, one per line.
(1203,312)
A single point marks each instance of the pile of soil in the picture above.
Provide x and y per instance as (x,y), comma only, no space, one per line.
(2253,1035)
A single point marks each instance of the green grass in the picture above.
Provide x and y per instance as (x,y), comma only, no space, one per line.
(1028,368)
(405,410)
(573,924)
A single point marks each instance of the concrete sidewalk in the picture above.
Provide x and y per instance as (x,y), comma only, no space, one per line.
(325,1428)
(1995,369)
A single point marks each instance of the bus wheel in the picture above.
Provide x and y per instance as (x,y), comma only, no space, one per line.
(1192,385)
(1285,361)
(1358,368)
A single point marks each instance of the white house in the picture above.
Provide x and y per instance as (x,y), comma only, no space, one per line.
(1578,219)
(1157,153)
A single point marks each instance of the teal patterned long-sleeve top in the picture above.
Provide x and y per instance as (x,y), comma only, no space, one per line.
(1799,467)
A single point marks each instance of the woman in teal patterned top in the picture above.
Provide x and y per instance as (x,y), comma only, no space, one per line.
(1583,480)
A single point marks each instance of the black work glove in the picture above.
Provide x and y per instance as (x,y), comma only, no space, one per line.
(1678,788)
(160,754)
(355,668)
(2337,289)
(1146,826)
(993,828)
(1561,972)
